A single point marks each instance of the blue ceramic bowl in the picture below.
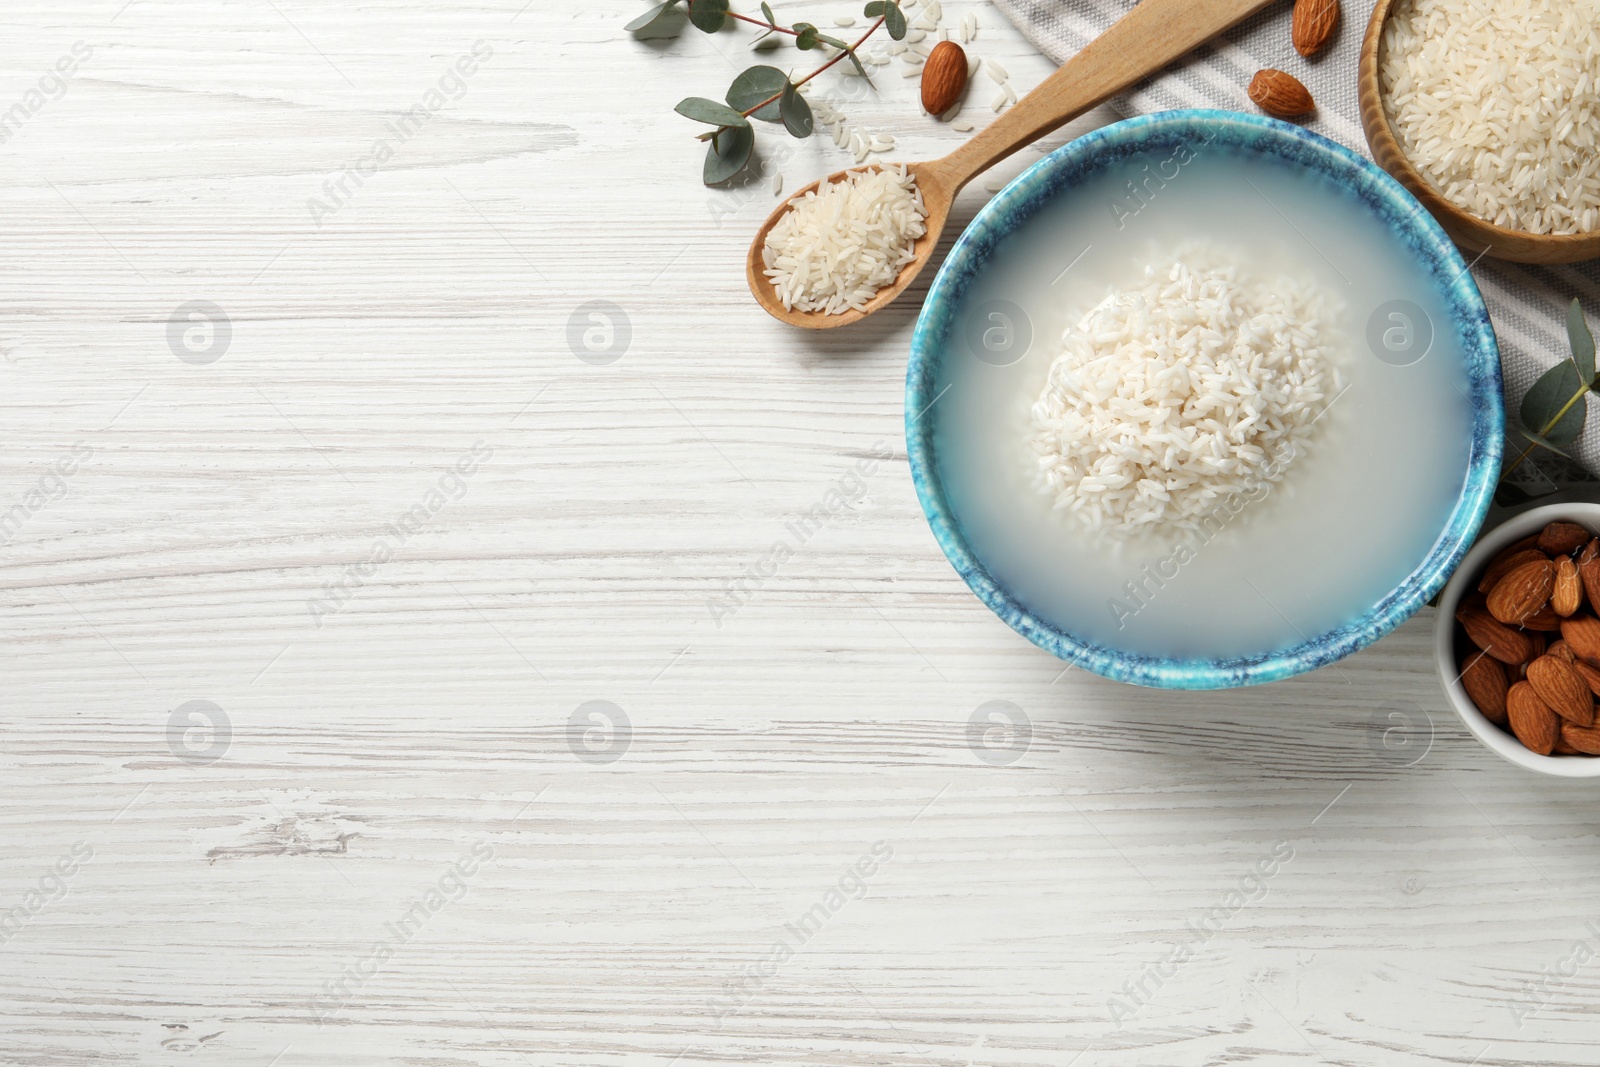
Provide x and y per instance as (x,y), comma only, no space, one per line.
(1159,135)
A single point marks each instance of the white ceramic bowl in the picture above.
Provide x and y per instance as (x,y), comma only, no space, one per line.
(1463,582)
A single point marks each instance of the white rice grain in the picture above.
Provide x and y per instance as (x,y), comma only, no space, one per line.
(1173,397)
(839,244)
(1497,103)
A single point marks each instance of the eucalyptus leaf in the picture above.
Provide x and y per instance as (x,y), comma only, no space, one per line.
(728,153)
(766,13)
(806,37)
(894,20)
(834,42)
(661,21)
(1544,442)
(755,85)
(702,110)
(708,15)
(796,112)
(1581,340)
(1547,397)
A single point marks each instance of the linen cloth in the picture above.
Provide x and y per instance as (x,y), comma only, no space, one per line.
(1527,304)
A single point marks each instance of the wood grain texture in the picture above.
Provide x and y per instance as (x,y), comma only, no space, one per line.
(626,912)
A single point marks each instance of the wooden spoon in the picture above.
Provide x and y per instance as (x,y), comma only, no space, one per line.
(1143,41)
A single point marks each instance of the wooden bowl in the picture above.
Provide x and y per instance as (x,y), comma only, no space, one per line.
(1467,230)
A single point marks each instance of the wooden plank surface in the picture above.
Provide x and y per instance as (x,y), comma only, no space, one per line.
(403,538)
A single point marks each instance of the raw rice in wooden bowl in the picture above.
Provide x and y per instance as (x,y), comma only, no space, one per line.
(1488,112)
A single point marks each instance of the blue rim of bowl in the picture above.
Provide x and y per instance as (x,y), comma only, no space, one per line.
(1385,197)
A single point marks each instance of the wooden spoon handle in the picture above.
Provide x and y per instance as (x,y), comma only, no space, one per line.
(1139,44)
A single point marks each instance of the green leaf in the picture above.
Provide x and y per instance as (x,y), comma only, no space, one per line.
(806,37)
(755,85)
(1549,395)
(663,20)
(894,20)
(1581,340)
(727,154)
(1544,442)
(766,13)
(708,15)
(702,110)
(796,112)
(833,41)
(874,9)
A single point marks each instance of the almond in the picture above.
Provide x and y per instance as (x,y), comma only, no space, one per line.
(1561,538)
(1506,562)
(1313,24)
(1589,571)
(1567,594)
(1584,739)
(1545,620)
(1590,675)
(1485,682)
(1564,749)
(1582,635)
(1500,641)
(1563,689)
(1536,642)
(1280,94)
(1532,721)
(944,75)
(1561,650)
(1523,591)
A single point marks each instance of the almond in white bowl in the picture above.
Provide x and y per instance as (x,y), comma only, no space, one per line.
(1517,641)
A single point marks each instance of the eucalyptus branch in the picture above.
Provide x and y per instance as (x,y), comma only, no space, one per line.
(1545,430)
(848,51)
(1558,422)
(765,93)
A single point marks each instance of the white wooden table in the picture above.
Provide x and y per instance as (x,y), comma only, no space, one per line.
(395,847)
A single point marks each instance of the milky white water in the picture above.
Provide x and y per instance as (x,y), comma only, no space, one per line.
(1355,512)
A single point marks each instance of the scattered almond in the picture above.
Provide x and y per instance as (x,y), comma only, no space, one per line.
(1280,94)
(1560,649)
(1500,641)
(944,75)
(1563,689)
(1313,24)
(1567,595)
(1562,538)
(1484,679)
(1523,591)
(1505,563)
